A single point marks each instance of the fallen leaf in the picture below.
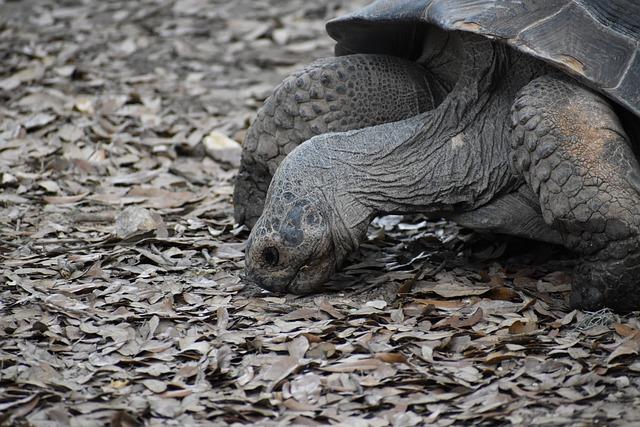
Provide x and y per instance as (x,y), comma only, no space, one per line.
(455,290)
(630,346)
(624,330)
(63,200)
(521,327)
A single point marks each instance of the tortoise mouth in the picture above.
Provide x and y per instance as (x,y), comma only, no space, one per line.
(298,284)
(276,288)
(301,286)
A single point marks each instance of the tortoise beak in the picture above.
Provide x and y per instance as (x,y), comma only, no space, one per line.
(268,285)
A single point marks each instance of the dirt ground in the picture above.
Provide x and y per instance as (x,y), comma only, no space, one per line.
(120,297)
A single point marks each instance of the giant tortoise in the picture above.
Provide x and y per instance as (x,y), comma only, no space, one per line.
(503,116)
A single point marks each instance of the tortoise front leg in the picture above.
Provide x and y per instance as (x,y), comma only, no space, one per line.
(330,95)
(574,153)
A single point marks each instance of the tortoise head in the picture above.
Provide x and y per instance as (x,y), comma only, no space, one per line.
(310,221)
(290,248)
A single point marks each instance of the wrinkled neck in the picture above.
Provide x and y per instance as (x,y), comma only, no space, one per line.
(407,166)
(419,164)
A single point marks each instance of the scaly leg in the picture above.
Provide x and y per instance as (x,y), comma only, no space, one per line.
(575,155)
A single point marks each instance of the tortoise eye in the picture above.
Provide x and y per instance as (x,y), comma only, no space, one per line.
(271,256)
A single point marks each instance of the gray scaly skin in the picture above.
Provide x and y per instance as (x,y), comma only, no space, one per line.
(543,156)
(574,153)
(330,95)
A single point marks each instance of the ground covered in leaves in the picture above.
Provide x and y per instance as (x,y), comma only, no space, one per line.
(120,297)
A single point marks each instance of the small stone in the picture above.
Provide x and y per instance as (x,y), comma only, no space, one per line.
(136,220)
(220,147)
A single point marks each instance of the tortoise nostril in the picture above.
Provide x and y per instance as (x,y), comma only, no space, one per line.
(271,256)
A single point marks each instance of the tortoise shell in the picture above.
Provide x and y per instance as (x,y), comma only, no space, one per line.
(595,40)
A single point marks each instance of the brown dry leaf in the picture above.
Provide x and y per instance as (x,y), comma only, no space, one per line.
(163,199)
(326,306)
(455,290)
(502,293)
(63,200)
(456,322)
(354,366)
(230,251)
(443,304)
(34,71)
(630,346)
(625,330)
(295,405)
(496,357)
(566,320)
(298,347)
(70,133)
(520,327)
(279,369)
(38,120)
(391,357)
